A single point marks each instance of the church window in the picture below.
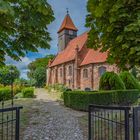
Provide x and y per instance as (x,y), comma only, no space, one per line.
(70,32)
(70,70)
(85,73)
(102,70)
(60,72)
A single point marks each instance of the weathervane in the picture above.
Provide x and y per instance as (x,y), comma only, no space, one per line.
(67,10)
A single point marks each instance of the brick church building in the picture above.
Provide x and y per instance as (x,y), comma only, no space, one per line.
(75,65)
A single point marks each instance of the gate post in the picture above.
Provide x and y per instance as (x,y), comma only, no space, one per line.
(89,122)
(127,135)
(17,123)
(135,124)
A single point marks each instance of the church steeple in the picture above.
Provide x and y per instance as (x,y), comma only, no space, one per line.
(66,32)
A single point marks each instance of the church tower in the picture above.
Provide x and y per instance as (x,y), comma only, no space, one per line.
(67,32)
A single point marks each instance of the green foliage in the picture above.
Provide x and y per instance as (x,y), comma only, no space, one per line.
(28,92)
(57,87)
(7,76)
(129,80)
(5,93)
(23,27)
(19,95)
(111,81)
(37,70)
(115,25)
(136,72)
(80,100)
(40,77)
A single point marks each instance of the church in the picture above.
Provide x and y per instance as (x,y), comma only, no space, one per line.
(75,65)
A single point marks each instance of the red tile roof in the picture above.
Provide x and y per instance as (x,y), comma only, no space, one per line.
(67,24)
(69,53)
(94,57)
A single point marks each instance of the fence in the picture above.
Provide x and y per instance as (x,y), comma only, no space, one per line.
(9,122)
(113,123)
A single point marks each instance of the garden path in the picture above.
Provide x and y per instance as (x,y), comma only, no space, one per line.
(53,121)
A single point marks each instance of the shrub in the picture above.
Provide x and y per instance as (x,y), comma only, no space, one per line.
(1,86)
(129,80)
(111,81)
(19,95)
(57,87)
(80,100)
(28,92)
(5,94)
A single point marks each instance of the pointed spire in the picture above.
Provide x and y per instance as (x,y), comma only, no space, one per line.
(67,23)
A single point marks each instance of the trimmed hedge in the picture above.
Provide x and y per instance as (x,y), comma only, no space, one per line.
(111,81)
(28,92)
(5,94)
(80,100)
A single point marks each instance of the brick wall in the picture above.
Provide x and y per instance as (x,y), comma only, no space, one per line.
(86,82)
(60,74)
(96,76)
(92,81)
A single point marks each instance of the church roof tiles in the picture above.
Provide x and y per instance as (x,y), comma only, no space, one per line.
(67,24)
(92,56)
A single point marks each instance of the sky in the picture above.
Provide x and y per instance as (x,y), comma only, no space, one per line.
(77,11)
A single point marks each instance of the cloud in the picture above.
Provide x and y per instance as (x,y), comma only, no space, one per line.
(78,12)
(21,65)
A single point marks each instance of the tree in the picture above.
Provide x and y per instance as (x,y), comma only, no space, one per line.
(7,76)
(111,81)
(37,70)
(40,76)
(23,27)
(136,72)
(115,27)
(129,80)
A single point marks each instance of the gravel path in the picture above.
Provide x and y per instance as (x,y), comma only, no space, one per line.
(52,121)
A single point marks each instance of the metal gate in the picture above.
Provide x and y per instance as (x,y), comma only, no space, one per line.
(109,123)
(136,123)
(9,122)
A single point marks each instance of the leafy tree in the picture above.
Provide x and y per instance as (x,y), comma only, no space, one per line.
(8,74)
(115,27)
(37,70)
(129,80)
(23,27)
(40,76)
(111,81)
(136,72)
(39,62)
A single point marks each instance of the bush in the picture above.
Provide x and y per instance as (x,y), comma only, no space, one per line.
(28,92)
(111,81)
(19,95)
(57,87)
(80,100)
(129,80)
(5,94)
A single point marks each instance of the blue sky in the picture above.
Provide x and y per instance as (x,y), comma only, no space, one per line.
(77,10)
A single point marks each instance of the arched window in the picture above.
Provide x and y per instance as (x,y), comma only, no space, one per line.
(70,70)
(60,72)
(102,70)
(85,73)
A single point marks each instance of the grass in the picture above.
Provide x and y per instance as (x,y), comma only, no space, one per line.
(25,114)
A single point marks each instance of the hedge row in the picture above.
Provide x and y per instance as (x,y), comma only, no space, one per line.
(28,92)
(5,94)
(80,100)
